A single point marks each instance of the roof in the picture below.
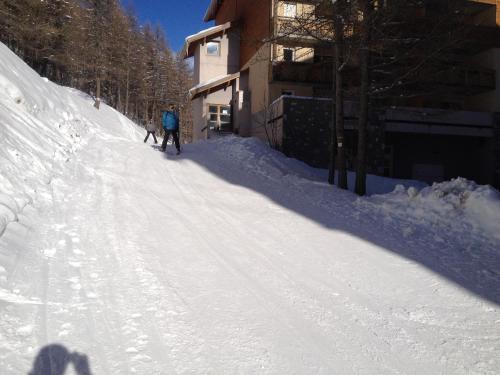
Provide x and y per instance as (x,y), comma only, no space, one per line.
(212,10)
(214,84)
(210,33)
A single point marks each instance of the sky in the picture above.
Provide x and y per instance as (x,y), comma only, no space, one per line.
(179,18)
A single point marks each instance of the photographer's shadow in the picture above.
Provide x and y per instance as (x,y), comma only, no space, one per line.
(55,359)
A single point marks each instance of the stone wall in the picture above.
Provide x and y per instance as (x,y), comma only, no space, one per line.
(306,133)
(391,152)
(497,151)
(306,130)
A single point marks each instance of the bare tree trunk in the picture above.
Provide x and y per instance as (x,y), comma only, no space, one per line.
(146,111)
(127,84)
(333,135)
(339,98)
(119,104)
(364,98)
(97,103)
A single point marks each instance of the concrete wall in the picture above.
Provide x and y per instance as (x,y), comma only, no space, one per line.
(199,119)
(208,67)
(489,101)
(242,104)
(257,93)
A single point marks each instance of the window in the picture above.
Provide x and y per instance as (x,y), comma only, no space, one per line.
(288,54)
(213,48)
(290,10)
(219,118)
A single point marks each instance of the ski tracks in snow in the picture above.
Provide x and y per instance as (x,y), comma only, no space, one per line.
(156,266)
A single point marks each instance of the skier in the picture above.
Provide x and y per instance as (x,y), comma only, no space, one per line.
(170,122)
(151,129)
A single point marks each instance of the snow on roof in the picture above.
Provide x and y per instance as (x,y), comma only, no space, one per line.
(207,33)
(212,83)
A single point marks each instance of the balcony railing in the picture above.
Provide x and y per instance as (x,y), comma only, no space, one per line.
(317,73)
(461,80)
(305,30)
(469,80)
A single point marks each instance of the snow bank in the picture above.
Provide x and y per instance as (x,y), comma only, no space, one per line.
(257,157)
(41,126)
(458,203)
(458,208)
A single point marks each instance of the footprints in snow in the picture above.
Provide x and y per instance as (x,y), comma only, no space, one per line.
(66,330)
(69,241)
(139,343)
(67,248)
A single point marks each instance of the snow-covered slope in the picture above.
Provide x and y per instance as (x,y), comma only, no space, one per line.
(229,258)
(41,126)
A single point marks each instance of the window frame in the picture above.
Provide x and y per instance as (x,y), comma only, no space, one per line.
(219,113)
(287,6)
(216,42)
(292,50)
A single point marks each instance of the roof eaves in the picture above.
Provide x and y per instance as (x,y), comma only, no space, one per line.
(203,35)
(212,10)
(213,83)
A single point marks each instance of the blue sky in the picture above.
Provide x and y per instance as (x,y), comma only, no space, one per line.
(179,18)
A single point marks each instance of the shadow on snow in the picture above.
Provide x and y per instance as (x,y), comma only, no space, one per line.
(55,359)
(474,268)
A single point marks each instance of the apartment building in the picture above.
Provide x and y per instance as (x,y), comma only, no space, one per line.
(257,74)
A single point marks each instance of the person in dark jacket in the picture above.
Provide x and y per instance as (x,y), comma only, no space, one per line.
(170,122)
(151,129)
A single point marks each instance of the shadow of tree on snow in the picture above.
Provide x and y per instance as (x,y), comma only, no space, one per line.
(474,268)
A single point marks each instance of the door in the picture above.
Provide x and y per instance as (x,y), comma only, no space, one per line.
(219,119)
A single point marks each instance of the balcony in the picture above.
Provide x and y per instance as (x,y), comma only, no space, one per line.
(313,73)
(466,80)
(305,31)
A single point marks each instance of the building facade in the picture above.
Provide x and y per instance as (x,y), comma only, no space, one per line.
(255,63)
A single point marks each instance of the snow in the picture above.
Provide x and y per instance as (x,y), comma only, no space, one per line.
(463,202)
(222,78)
(207,31)
(42,125)
(229,258)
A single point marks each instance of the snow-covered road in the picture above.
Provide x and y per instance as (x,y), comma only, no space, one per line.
(154,264)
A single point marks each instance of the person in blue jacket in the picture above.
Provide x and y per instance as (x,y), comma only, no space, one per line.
(170,122)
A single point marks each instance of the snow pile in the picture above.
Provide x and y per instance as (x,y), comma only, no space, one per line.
(41,126)
(257,157)
(459,203)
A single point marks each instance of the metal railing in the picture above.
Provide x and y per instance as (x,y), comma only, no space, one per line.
(318,73)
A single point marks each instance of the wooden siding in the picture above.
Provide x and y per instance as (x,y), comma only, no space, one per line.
(253,18)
